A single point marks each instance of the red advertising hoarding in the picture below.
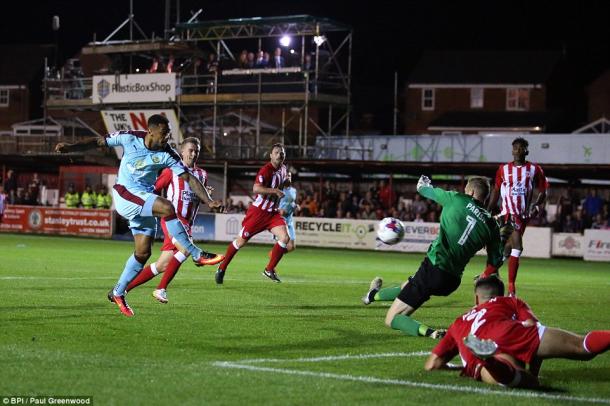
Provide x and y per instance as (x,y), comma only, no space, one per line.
(47,220)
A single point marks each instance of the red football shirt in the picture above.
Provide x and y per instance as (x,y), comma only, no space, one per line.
(500,319)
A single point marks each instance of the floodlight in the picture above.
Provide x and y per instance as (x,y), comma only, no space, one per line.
(285,41)
(319,39)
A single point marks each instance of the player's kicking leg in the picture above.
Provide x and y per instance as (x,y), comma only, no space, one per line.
(163,208)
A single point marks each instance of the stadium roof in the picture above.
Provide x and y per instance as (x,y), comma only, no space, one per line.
(261,27)
(484,67)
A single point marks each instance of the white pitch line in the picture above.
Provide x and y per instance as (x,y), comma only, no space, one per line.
(336,357)
(371,379)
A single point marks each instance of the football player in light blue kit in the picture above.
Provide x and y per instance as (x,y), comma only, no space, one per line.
(145,154)
(288,206)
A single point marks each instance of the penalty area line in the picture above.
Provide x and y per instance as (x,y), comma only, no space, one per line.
(414,384)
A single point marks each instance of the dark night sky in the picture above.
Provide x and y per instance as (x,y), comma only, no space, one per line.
(387,37)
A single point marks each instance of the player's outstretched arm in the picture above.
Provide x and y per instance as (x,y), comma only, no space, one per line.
(434,362)
(201,191)
(83,145)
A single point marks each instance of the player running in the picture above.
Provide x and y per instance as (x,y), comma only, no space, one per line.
(186,204)
(145,154)
(498,337)
(263,214)
(465,228)
(515,182)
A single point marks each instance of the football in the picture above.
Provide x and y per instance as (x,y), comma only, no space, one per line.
(390,231)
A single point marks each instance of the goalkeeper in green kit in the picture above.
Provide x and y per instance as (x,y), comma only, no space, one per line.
(466,227)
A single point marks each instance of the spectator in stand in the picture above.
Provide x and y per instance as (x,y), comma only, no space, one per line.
(154,66)
(307,62)
(10,186)
(241,207)
(574,223)
(344,204)
(20,197)
(387,197)
(592,205)
(88,198)
(34,188)
(266,59)
(212,65)
(71,198)
(368,213)
(260,60)
(278,59)
(565,204)
(242,60)
(312,204)
(419,206)
(599,223)
(251,61)
(169,68)
(103,199)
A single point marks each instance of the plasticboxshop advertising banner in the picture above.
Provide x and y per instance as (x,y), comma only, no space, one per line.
(45,220)
(134,88)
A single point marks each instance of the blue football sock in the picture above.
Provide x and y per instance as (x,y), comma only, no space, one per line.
(176,230)
(132,269)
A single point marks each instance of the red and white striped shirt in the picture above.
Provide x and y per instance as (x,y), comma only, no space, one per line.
(179,192)
(516,184)
(269,177)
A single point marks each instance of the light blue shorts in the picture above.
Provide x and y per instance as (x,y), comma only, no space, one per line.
(137,208)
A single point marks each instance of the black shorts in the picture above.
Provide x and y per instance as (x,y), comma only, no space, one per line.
(428,281)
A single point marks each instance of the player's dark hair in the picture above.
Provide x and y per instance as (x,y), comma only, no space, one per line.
(191,140)
(276,145)
(480,186)
(490,286)
(522,141)
(156,120)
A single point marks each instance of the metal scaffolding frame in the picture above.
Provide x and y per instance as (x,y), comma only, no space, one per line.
(337,69)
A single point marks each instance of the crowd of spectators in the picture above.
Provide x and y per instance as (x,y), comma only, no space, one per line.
(19,192)
(574,210)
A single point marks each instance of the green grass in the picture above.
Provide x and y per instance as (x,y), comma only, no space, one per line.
(60,336)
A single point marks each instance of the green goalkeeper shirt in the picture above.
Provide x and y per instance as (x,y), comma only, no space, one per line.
(466,227)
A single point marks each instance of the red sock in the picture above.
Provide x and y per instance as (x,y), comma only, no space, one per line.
(231,251)
(503,372)
(171,269)
(513,267)
(597,342)
(276,254)
(144,276)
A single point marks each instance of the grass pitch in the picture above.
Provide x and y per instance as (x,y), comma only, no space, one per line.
(307,341)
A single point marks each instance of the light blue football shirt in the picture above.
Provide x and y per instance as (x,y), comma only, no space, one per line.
(288,202)
(141,166)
